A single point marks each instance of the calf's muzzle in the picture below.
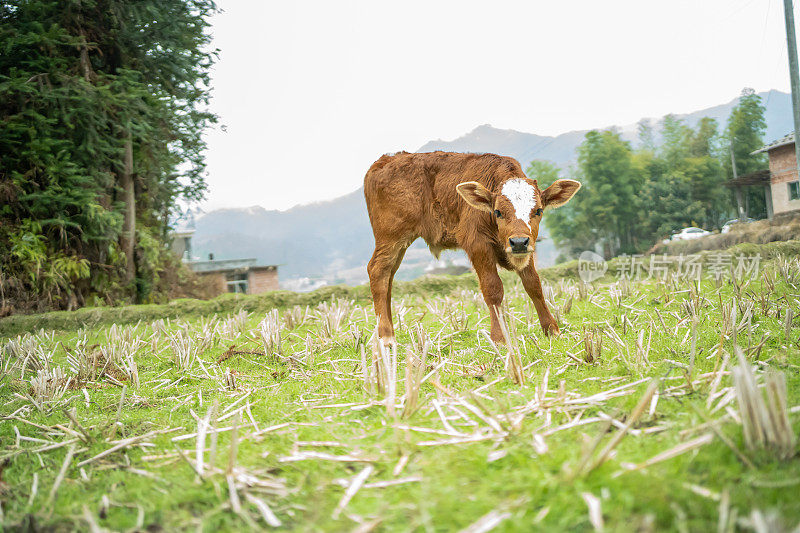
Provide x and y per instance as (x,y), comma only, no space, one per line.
(519,245)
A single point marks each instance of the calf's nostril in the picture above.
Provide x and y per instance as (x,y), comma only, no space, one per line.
(518,243)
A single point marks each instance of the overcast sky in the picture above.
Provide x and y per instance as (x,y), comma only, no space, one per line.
(311,93)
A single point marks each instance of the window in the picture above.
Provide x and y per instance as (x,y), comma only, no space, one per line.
(237,282)
(794,190)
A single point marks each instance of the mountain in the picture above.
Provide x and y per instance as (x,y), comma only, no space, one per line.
(523,147)
(310,240)
(333,241)
(561,149)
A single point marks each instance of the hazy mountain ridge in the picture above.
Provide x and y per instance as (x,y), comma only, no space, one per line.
(308,240)
(560,149)
(333,239)
(523,147)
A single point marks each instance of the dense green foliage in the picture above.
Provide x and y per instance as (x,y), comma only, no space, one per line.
(744,134)
(633,197)
(81,81)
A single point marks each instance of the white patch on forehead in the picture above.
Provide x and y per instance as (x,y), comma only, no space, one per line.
(522,196)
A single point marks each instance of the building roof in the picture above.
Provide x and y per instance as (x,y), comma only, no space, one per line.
(754,178)
(264,267)
(227,265)
(783,141)
(221,265)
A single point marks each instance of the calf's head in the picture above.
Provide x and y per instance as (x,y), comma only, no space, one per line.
(517,206)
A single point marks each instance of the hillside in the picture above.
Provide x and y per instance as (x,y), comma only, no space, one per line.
(332,241)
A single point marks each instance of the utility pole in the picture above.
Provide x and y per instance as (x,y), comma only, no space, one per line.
(791,43)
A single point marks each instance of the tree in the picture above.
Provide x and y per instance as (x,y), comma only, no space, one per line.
(103,109)
(704,172)
(668,204)
(567,226)
(703,141)
(647,139)
(676,137)
(612,188)
(743,135)
(544,172)
(606,210)
(631,199)
(686,177)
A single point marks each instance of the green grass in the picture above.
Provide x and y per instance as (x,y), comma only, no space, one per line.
(459,484)
(232,303)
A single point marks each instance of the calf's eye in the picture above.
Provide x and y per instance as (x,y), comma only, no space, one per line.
(538,212)
(498,214)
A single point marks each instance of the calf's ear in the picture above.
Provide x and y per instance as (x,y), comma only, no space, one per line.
(559,192)
(476,195)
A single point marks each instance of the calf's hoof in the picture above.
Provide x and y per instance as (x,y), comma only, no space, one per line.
(388,341)
(551,330)
(497,337)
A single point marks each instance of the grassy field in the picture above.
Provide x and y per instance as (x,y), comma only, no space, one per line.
(664,405)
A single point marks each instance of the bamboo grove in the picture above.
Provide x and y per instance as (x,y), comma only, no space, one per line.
(102,106)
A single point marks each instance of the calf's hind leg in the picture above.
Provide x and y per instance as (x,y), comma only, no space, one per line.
(385,261)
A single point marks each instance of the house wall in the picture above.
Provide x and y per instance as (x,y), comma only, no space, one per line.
(783,169)
(262,280)
(181,244)
(217,281)
(259,279)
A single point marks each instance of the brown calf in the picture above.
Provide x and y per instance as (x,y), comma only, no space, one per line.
(482,203)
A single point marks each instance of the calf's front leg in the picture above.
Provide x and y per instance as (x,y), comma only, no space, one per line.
(533,286)
(491,288)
